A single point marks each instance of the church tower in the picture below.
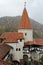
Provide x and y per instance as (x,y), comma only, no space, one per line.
(25,26)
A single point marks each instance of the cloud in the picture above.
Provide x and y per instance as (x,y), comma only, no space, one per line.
(15,7)
(36,10)
(11,7)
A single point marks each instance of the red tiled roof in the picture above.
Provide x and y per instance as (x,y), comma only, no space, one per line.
(4,49)
(25,21)
(12,36)
(4,63)
(11,41)
(28,43)
(39,41)
(35,41)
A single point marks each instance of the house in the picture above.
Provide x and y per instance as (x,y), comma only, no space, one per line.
(16,40)
(24,46)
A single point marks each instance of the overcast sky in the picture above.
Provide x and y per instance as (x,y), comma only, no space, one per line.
(15,8)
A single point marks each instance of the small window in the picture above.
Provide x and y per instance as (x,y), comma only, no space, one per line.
(1,40)
(25,34)
(16,49)
(19,49)
(20,40)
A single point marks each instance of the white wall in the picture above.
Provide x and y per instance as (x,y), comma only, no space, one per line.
(29,32)
(17,55)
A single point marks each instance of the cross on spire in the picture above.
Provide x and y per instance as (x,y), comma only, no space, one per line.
(25,4)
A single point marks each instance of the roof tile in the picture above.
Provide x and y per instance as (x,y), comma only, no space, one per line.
(4,49)
(12,36)
(25,21)
(35,41)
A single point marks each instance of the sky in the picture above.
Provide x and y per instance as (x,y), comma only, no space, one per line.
(15,8)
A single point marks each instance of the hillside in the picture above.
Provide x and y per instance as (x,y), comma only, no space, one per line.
(7,21)
(11,24)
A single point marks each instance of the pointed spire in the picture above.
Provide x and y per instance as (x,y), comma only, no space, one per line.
(25,21)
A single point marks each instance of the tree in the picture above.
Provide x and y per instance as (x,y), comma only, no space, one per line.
(41,58)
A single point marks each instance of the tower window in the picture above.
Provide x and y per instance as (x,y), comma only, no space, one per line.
(20,40)
(25,34)
(19,49)
(16,49)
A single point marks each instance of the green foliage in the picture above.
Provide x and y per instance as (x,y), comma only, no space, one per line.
(35,35)
(6,29)
(41,58)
